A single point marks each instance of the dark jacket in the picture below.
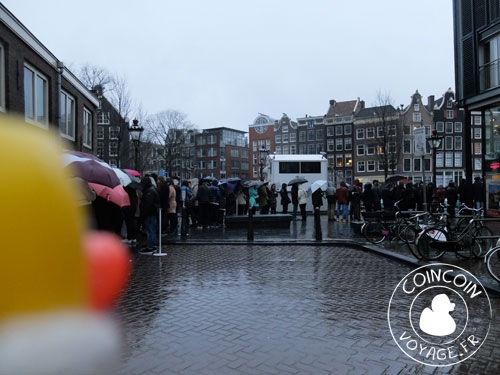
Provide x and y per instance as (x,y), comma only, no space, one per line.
(164,196)
(150,201)
(368,197)
(203,195)
(465,190)
(342,194)
(477,191)
(284,197)
(295,194)
(317,198)
(214,194)
(452,195)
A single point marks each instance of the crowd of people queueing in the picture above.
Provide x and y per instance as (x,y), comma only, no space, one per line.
(208,201)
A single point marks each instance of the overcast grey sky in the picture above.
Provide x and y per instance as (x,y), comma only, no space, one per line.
(223,61)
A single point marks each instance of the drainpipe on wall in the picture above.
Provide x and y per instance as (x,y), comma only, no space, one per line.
(60,70)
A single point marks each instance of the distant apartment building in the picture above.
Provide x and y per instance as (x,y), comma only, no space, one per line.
(449,123)
(113,145)
(222,153)
(261,141)
(311,135)
(339,124)
(415,116)
(37,86)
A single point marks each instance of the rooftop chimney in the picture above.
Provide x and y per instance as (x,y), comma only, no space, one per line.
(332,102)
(430,102)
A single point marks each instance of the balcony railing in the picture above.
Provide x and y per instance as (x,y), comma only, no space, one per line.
(489,75)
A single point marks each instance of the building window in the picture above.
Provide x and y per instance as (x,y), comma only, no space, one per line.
(329,145)
(458,142)
(302,136)
(392,147)
(439,159)
(361,150)
(293,137)
(347,129)
(100,132)
(338,144)
(67,114)
(370,133)
(406,165)
(361,166)
(370,149)
(406,130)
(347,144)
(277,138)
(477,133)
(392,131)
(477,164)
(449,104)
(360,134)
(448,161)
(380,132)
(448,141)
(35,97)
(338,130)
(235,164)
(319,134)
(477,120)
(370,164)
(449,114)
(348,160)
(293,149)
(285,138)
(340,161)
(303,149)
(380,165)
(286,150)
(477,148)
(449,127)
(427,165)
(114,132)
(113,149)
(212,151)
(310,149)
(102,118)
(112,163)
(407,146)
(458,159)
(329,131)
(2,78)
(284,129)
(235,153)
(100,149)
(87,128)
(254,146)
(310,135)
(416,108)
(278,150)
(417,117)
(417,165)
(458,127)
(440,126)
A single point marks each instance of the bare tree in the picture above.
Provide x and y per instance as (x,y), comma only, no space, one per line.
(168,129)
(94,75)
(389,134)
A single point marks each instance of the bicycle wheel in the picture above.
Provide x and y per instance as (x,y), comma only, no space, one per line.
(431,243)
(485,244)
(375,232)
(410,236)
(493,263)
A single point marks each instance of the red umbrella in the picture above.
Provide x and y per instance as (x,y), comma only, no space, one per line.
(133,173)
(116,195)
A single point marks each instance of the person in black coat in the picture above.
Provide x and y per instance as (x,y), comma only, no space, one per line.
(203,198)
(466,193)
(452,196)
(164,192)
(295,199)
(377,196)
(285,201)
(149,212)
(129,215)
(478,193)
(317,199)
(368,198)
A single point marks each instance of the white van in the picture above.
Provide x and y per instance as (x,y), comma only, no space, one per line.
(280,169)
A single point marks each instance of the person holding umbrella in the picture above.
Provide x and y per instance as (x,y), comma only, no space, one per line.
(302,198)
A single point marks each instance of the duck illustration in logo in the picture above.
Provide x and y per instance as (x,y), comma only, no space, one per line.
(438,321)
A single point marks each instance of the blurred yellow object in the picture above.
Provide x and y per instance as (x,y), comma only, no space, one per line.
(41,228)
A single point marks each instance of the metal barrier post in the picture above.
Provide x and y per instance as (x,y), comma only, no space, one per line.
(317,224)
(250,224)
(159,253)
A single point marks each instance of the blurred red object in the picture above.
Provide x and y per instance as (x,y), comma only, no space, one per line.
(116,195)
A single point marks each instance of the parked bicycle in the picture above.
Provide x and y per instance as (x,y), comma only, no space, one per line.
(492,260)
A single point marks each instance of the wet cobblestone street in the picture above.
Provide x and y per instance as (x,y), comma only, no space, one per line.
(269,310)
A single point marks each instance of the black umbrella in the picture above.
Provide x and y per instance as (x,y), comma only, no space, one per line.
(394,178)
(298,180)
(250,183)
(234,180)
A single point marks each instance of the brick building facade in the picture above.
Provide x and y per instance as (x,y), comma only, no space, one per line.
(37,86)
(261,137)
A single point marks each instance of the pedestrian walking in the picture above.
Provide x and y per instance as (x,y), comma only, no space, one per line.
(285,200)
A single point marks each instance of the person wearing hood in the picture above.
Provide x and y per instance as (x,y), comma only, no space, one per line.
(368,198)
(252,199)
(356,200)
(342,195)
(150,203)
(203,198)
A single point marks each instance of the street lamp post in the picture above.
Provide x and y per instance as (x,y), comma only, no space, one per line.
(135,133)
(262,156)
(434,142)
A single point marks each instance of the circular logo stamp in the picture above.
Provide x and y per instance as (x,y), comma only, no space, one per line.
(439,314)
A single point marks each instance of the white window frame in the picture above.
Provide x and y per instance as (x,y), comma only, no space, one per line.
(439,159)
(417,117)
(370,165)
(348,129)
(358,148)
(87,128)
(456,145)
(450,127)
(2,78)
(380,131)
(458,127)
(330,131)
(477,133)
(449,103)
(370,130)
(100,145)
(415,162)
(116,130)
(458,159)
(440,126)
(110,148)
(360,163)
(346,158)
(450,114)
(284,138)
(293,137)
(416,107)
(448,147)
(284,129)
(477,164)
(448,159)
(480,148)
(69,122)
(330,145)
(370,146)
(404,165)
(347,142)
(100,130)
(277,138)
(45,124)
(360,133)
(338,130)
(103,118)
(339,145)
